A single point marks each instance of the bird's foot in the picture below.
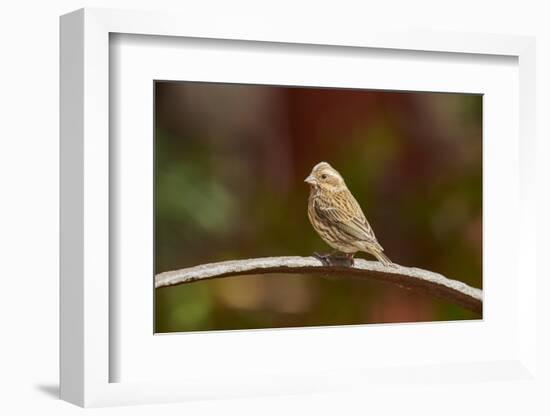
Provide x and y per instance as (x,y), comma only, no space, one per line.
(335,260)
(323,258)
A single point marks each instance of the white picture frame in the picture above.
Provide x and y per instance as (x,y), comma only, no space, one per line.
(87,295)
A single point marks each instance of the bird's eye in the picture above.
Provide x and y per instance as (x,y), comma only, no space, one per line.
(323,176)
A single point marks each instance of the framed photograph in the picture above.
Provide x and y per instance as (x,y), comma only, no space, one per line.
(267,212)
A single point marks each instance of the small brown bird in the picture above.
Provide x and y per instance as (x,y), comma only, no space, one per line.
(337,217)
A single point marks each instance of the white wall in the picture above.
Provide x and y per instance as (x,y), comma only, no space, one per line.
(29,186)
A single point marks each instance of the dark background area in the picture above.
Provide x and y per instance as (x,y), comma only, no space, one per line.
(230,164)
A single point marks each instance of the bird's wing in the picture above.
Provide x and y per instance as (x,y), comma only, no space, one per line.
(344,210)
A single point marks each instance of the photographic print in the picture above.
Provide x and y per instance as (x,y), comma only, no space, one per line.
(282,206)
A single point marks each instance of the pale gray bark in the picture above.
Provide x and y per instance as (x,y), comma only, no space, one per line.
(408,277)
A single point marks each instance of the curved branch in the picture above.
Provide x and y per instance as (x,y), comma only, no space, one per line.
(408,277)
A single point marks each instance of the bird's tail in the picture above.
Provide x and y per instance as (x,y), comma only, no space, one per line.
(382,258)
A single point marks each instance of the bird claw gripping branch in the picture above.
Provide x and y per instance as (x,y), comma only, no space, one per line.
(333,260)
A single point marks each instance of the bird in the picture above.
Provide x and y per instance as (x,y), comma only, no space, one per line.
(337,216)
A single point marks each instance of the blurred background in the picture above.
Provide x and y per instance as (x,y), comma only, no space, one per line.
(229,184)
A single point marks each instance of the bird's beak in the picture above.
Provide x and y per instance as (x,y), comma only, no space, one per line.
(310,179)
